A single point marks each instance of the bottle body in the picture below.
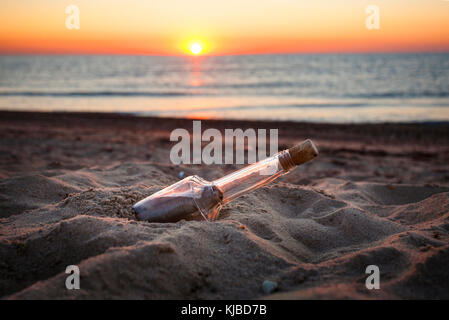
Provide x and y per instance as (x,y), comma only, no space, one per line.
(179,201)
(194,194)
(253,176)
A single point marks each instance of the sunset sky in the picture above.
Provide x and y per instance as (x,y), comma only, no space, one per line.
(166,27)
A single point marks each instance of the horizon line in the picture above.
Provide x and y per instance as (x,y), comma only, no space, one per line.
(22,53)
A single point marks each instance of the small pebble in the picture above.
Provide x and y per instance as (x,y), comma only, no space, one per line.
(181,175)
(269,286)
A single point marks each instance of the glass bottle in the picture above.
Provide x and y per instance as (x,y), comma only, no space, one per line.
(194,194)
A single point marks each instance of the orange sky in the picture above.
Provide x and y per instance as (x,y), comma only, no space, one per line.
(224,26)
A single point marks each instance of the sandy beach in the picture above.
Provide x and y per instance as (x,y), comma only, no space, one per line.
(378,194)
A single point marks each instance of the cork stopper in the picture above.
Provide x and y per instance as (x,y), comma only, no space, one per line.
(303,152)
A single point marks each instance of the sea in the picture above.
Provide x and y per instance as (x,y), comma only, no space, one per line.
(331,88)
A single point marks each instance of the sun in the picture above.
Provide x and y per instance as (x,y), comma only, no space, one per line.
(196,48)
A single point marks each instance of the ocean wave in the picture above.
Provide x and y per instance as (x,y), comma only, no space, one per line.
(96,94)
(261,85)
(400,94)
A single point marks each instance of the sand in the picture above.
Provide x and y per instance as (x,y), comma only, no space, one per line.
(376,195)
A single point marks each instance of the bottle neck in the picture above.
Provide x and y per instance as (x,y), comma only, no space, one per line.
(286,161)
